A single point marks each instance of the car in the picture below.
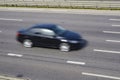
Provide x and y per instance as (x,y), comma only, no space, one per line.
(49,35)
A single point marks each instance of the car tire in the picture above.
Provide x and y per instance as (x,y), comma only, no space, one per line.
(27,43)
(64,47)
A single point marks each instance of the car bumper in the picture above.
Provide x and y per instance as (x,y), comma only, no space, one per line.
(78,45)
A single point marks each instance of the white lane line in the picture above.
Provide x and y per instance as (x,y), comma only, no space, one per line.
(7,19)
(111,32)
(16,55)
(116,25)
(114,19)
(0,31)
(116,41)
(76,62)
(100,75)
(106,51)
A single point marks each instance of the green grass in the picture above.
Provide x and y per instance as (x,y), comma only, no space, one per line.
(63,7)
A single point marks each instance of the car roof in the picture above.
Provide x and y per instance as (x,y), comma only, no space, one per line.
(47,26)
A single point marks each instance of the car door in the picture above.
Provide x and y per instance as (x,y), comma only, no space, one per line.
(35,36)
(49,38)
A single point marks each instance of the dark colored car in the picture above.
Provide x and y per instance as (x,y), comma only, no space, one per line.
(49,35)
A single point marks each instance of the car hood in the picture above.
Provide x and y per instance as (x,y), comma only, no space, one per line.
(71,35)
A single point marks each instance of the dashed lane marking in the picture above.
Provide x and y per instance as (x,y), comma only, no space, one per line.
(114,19)
(106,51)
(116,41)
(100,75)
(116,25)
(76,62)
(113,32)
(7,19)
(16,55)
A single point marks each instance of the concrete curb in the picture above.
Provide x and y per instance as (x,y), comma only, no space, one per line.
(10,78)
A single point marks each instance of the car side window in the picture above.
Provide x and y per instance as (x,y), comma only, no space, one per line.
(35,31)
(47,32)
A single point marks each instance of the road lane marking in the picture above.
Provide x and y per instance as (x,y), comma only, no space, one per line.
(116,41)
(8,19)
(76,62)
(116,25)
(107,51)
(114,19)
(0,31)
(12,54)
(100,75)
(111,32)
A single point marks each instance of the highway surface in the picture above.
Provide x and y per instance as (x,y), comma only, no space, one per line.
(98,60)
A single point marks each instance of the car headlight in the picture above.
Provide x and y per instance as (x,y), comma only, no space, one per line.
(73,41)
(64,40)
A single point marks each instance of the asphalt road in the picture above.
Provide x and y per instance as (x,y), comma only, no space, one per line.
(98,60)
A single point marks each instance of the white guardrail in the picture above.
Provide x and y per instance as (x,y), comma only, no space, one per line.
(64,3)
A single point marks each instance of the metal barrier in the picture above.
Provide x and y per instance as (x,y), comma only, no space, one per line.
(65,3)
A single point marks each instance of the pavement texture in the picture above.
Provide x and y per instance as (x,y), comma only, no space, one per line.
(99,59)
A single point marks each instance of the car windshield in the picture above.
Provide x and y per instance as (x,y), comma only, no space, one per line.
(59,30)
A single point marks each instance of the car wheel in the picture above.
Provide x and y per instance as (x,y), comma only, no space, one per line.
(27,43)
(64,47)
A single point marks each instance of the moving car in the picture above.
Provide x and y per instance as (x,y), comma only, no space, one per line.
(49,35)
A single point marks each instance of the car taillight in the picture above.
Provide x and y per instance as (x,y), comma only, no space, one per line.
(18,34)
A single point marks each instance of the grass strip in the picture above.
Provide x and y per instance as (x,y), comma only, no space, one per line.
(63,7)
